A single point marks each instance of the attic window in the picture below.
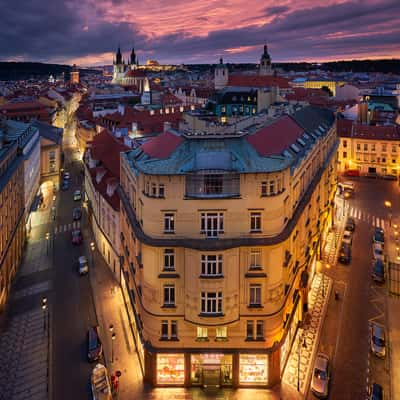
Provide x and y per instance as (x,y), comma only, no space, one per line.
(294,148)
(306,136)
(301,141)
(286,153)
(317,132)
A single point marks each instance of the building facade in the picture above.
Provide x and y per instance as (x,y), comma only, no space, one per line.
(12,233)
(220,239)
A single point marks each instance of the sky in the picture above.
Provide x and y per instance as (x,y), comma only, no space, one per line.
(88,32)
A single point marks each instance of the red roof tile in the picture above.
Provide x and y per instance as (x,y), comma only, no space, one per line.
(258,81)
(275,138)
(135,73)
(162,146)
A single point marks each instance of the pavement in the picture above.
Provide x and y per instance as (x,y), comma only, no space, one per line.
(25,339)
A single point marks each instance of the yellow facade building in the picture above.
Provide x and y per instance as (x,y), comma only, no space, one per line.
(319,84)
(220,237)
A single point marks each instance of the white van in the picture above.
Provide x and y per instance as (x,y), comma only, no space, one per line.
(83,265)
(347,186)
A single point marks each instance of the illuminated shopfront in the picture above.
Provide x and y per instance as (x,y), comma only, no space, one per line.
(253,369)
(211,369)
(170,369)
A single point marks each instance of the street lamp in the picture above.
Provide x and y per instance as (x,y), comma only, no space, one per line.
(299,347)
(44,308)
(92,247)
(111,329)
(388,205)
(47,244)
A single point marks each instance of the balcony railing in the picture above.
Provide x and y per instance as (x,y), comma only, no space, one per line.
(213,185)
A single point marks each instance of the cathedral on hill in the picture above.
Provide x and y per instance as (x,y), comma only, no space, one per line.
(128,74)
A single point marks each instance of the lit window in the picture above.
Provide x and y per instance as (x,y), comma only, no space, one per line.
(255,295)
(211,265)
(202,333)
(169,260)
(221,332)
(169,223)
(255,259)
(169,295)
(211,302)
(255,222)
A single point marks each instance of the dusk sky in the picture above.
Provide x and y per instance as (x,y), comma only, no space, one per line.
(87,32)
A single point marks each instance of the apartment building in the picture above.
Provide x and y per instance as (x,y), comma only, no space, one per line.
(220,237)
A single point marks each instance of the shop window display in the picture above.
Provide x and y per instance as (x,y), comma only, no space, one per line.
(170,369)
(253,369)
(211,366)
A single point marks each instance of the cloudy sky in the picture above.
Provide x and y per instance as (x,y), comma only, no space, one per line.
(87,32)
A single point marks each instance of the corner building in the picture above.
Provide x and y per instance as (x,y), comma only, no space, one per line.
(220,238)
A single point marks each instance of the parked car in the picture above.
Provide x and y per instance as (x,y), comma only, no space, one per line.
(347,237)
(77,195)
(66,175)
(375,392)
(371,175)
(345,253)
(321,375)
(377,250)
(77,237)
(377,340)
(378,271)
(83,266)
(390,177)
(350,224)
(76,214)
(65,185)
(94,346)
(349,186)
(379,236)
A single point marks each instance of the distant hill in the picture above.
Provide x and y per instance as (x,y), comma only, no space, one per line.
(31,70)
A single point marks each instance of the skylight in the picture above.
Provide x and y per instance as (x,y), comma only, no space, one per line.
(286,153)
(294,148)
(301,141)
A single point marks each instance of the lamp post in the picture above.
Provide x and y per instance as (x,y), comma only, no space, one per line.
(300,345)
(388,205)
(92,247)
(111,329)
(47,242)
(44,308)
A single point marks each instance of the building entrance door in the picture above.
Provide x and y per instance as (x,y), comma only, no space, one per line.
(211,375)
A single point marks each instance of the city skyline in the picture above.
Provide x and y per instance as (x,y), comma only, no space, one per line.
(88,33)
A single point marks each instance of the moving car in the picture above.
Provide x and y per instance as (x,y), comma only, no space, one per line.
(347,237)
(375,392)
(377,340)
(83,266)
(66,175)
(345,253)
(350,224)
(76,214)
(77,237)
(349,186)
(65,185)
(77,195)
(379,236)
(320,377)
(378,271)
(377,250)
(94,346)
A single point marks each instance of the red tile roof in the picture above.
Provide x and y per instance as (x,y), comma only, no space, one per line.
(258,81)
(275,138)
(162,146)
(344,127)
(135,73)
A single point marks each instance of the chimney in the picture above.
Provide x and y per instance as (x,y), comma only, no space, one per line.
(362,112)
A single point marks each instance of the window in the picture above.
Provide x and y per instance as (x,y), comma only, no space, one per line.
(169,223)
(153,190)
(250,330)
(174,329)
(358,146)
(345,154)
(169,260)
(259,330)
(213,183)
(365,147)
(255,259)
(393,161)
(211,265)
(147,191)
(221,333)
(211,302)
(271,187)
(202,333)
(255,222)
(255,295)
(169,295)
(344,143)
(161,190)
(394,148)
(52,160)
(212,223)
(383,159)
(263,188)
(358,156)
(372,146)
(383,146)
(164,329)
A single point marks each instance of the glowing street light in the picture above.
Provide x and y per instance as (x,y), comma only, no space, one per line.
(47,244)
(44,308)
(388,205)
(92,247)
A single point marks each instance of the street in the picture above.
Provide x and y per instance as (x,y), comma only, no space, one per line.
(345,334)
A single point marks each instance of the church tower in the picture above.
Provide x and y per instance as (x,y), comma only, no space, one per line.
(119,67)
(133,60)
(221,75)
(265,63)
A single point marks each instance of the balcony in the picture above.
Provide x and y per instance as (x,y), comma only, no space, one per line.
(212,185)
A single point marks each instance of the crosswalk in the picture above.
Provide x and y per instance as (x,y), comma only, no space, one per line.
(362,215)
(67,227)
